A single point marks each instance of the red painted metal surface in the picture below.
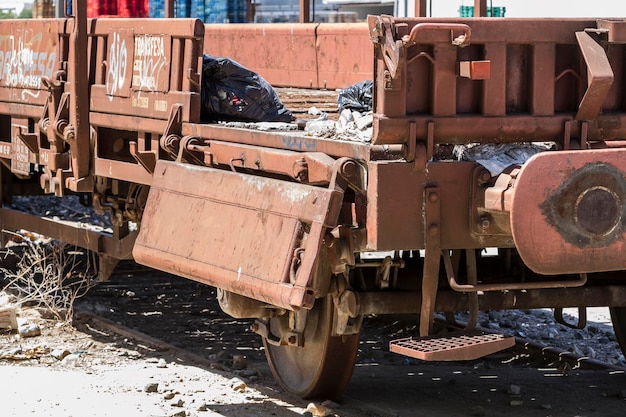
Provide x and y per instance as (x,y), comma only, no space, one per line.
(270,214)
(537,80)
(145,71)
(297,55)
(344,55)
(283,54)
(33,54)
(568,211)
(31,51)
(254,236)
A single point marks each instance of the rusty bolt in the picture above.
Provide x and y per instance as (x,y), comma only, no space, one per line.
(485,222)
(433,197)
(484,177)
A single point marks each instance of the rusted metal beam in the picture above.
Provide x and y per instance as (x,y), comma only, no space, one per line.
(399,302)
(480,8)
(77,133)
(305,11)
(420,8)
(69,232)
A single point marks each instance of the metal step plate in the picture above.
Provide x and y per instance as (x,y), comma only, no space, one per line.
(453,346)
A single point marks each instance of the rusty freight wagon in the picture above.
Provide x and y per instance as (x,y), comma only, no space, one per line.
(281,221)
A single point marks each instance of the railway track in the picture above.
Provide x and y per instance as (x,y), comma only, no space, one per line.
(181,317)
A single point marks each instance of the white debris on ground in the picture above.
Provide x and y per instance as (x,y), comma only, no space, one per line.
(496,157)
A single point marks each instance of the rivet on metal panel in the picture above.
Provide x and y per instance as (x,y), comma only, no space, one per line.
(484,177)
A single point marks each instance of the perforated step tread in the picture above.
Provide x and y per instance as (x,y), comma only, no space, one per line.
(453,346)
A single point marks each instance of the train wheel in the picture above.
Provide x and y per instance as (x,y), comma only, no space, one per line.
(323,366)
(618,317)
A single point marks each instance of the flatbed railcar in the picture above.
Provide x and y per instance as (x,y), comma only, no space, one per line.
(281,221)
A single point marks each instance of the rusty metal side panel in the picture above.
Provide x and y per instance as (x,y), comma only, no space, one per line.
(284,55)
(538,78)
(297,55)
(69,232)
(31,50)
(144,67)
(345,55)
(568,211)
(254,236)
(395,196)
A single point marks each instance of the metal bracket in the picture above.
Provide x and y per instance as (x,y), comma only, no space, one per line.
(106,265)
(170,140)
(30,140)
(432,258)
(262,328)
(188,150)
(582,318)
(599,76)
(147,159)
(346,322)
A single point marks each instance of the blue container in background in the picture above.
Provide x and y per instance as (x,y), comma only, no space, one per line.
(215,11)
(237,11)
(209,11)
(182,8)
(157,8)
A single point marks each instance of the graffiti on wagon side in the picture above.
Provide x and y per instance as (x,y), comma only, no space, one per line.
(117,65)
(24,60)
(151,56)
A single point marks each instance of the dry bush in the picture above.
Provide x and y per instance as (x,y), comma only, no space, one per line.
(49,274)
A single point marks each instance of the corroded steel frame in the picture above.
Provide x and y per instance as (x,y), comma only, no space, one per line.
(438,82)
(537,80)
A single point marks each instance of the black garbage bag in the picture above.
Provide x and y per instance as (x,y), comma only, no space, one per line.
(356,97)
(231,92)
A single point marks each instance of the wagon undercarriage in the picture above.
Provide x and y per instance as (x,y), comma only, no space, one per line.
(309,235)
